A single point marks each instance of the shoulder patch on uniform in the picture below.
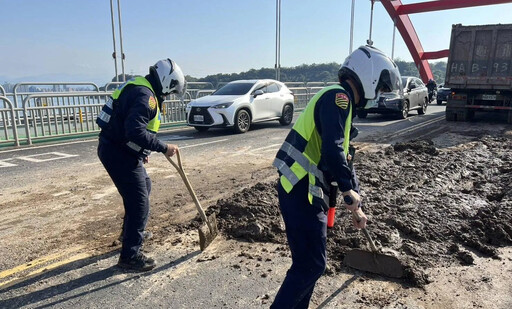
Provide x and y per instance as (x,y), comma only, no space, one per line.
(152,102)
(341,100)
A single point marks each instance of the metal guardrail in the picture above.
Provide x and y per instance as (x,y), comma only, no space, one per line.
(7,123)
(52,84)
(295,84)
(112,86)
(63,114)
(315,84)
(44,115)
(200,85)
(301,95)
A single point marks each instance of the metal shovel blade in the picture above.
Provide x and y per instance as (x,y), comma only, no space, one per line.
(207,234)
(374,262)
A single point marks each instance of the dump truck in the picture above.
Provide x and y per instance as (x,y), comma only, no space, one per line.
(479,71)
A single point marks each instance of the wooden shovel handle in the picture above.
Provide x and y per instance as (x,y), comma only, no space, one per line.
(179,168)
(349,201)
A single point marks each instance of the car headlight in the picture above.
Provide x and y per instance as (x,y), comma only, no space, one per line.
(222,105)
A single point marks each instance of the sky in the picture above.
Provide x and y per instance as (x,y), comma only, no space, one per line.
(71,40)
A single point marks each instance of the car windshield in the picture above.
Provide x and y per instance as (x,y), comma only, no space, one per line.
(234,89)
(404,81)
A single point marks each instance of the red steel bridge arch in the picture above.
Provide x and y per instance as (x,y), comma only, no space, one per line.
(399,13)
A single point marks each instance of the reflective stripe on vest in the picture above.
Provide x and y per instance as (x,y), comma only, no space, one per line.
(306,161)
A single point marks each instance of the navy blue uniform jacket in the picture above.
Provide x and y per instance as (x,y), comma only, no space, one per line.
(130,118)
(330,121)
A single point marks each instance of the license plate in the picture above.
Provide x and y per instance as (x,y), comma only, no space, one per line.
(199,118)
(490,97)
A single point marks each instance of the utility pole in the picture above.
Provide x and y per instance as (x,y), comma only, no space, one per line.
(278,40)
(369,41)
(114,54)
(121,37)
(352,27)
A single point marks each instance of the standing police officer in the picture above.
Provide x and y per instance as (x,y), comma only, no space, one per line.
(315,153)
(129,122)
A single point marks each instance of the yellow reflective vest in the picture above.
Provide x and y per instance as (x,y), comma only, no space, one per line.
(106,112)
(302,150)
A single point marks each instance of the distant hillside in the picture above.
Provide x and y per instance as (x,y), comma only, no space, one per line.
(315,72)
(327,72)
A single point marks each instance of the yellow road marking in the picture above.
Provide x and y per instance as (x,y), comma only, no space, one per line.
(55,265)
(37,262)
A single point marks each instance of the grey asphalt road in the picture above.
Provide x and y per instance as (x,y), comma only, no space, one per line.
(18,165)
(185,277)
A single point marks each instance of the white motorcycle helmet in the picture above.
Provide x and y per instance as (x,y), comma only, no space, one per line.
(170,76)
(372,70)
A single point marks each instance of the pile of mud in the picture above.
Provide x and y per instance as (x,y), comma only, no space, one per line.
(435,207)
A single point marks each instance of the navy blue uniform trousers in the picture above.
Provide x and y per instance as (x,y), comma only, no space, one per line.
(306,230)
(133,183)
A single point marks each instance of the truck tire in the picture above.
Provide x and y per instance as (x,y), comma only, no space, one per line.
(465,115)
(450,116)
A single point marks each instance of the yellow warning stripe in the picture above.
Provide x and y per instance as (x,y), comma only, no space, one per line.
(74,258)
(37,262)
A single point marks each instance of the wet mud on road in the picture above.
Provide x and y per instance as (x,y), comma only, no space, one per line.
(443,204)
(433,206)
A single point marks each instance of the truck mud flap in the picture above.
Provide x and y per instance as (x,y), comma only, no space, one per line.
(459,114)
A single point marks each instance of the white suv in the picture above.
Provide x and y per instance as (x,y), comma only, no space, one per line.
(240,103)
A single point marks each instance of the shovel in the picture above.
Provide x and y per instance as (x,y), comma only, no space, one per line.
(375,261)
(208,230)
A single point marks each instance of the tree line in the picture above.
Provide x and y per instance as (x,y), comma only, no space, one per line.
(327,72)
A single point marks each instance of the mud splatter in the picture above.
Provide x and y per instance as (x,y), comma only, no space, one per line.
(434,207)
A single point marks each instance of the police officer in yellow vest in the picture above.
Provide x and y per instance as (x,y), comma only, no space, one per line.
(129,122)
(315,153)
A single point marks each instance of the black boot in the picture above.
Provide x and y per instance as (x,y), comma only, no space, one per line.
(139,262)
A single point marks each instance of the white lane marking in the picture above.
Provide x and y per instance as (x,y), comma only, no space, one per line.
(249,151)
(269,146)
(417,126)
(53,156)
(175,138)
(3,163)
(47,146)
(271,149)
(201,144)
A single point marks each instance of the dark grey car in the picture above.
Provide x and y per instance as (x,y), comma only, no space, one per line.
(442,95)
(414,96)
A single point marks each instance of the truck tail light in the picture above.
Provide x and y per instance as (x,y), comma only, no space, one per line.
(458,96)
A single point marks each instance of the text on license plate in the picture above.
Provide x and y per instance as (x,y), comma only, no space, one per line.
(490,97)
(199,118)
